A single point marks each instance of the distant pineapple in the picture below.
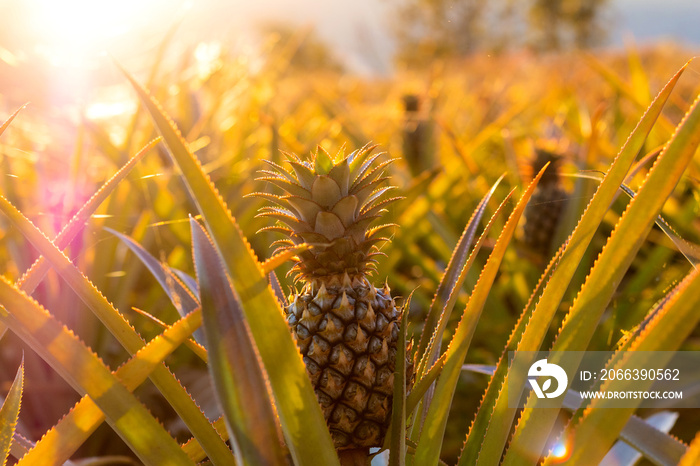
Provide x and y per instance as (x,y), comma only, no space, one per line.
(345,328)
(546,205)
(417,136)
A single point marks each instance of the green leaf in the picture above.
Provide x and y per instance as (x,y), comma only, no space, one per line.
(9,120)
(179,294)
(490,430)
(32,277)
(649,437)
(452,280)
(87,374)
(234,365)
(162,378)
(600,427)
(688,250)
(692,456)
(397,454)
(9,413)
(486,412)
(430,442)
(300,415)
(612,263)
(323,162)
(61,441)
(420,388)
(641,434)
(278,259)
(435,342)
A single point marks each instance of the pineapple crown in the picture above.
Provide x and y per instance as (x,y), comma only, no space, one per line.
(329,203)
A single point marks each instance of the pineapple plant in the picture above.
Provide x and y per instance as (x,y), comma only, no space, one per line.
(345,327)
(269,410)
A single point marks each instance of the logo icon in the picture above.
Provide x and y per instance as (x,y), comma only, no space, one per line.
(542,368)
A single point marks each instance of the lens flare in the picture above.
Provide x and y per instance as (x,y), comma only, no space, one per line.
(561,451)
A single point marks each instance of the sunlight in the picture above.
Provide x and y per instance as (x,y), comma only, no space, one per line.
(74,32)
(561,451)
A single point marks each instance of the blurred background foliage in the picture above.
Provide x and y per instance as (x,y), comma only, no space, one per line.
(470,100)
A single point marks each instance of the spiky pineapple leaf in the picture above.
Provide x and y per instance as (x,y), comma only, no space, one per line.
(397,454)
(247,407)
(162,378)
(300,415)
(194,449)
(596,432)
(617,82)
(649,437)
(451,280)
(21,445)
(278,259)
(180,295)
(32,277)
(7,122)
(692,456)
(618,253)
(433,345)
(422,393)
(61,441)
(87,374)
(9,413)
(199,350)
(430,442)
(485,412)
(497,413)
(644,437)
(422,385)
(690,251)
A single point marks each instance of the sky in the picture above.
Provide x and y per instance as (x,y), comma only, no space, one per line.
(358,30)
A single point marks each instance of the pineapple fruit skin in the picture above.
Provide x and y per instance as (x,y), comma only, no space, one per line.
(347,331)
(546,206)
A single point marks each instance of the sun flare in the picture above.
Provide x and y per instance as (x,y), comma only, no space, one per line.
(73,32)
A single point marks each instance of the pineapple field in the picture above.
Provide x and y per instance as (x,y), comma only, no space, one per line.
(265,263)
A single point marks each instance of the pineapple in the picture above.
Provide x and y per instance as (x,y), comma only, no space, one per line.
(417,136)
(546,205)
(345,327)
